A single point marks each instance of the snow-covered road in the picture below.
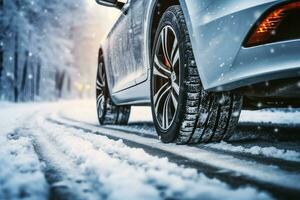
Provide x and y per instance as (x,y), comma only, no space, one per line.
(58,151)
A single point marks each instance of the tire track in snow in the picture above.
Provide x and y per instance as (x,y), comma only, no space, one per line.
(157,171)
(20,168)
(59,177)
(288,165)
(61,172)
(270,179)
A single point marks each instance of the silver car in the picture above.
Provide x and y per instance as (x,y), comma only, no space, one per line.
(198,63)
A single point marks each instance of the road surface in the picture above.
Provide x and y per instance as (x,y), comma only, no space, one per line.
(58,151)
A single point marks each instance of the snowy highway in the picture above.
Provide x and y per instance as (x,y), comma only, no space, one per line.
(58,151)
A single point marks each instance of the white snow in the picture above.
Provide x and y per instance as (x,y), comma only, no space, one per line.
(274,116)
(21,175)
(141,117)
(254,170)
(130,173)
(118,171)
(272,152)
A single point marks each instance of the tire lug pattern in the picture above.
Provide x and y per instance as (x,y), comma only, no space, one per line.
(204,116)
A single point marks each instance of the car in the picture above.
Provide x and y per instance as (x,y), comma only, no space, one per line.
(198,63)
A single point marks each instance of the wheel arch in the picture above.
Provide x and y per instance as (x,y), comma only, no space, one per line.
(158,8)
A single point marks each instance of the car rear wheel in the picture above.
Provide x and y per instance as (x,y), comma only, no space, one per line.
(183,112)
(107,111)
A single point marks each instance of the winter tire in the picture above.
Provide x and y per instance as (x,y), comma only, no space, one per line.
(183,112)
(107,111)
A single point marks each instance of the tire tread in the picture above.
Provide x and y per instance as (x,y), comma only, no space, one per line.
(208,117)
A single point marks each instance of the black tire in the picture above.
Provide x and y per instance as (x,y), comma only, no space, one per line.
(200,116)
(107,111)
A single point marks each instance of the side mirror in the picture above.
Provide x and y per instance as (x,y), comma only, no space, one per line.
(111,3)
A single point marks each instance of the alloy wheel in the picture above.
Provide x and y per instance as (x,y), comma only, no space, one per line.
(100,90)
(166,77)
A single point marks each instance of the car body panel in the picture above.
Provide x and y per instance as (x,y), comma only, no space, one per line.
(276,61)
(125,67)
(217,31)
(217,40)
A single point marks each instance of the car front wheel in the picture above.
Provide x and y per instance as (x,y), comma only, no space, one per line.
(183,112)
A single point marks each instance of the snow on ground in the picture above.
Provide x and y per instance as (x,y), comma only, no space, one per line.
(269,174)
(273,116)
(121,172)
(257,150)
(21,175)
(143,114)
(141,121)
(131,173)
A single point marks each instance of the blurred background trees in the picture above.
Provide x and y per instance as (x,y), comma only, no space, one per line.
(48,49)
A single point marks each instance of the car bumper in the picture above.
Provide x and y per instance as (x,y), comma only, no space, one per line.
(217,36)
(261,63)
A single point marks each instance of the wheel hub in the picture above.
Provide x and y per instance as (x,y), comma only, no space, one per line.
(173,77)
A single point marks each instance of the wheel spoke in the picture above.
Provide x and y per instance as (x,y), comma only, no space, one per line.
(161,66)
(99,85)
(176,58)
(161,90)
(164,43)
(174,48)
(159,96)
(158,73)
(175,86)
(165,117)
(99,99)
(101,76)
(174,100)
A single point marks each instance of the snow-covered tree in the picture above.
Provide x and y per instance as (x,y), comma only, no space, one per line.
(37,43)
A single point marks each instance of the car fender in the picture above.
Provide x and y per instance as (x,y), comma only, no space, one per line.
(217,30)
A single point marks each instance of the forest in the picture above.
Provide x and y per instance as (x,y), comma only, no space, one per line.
(38,48)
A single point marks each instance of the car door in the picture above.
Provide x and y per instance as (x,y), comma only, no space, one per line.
(118,66)
(137,15)
(126,46)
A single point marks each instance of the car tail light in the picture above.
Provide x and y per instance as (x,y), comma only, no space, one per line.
(268,26)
